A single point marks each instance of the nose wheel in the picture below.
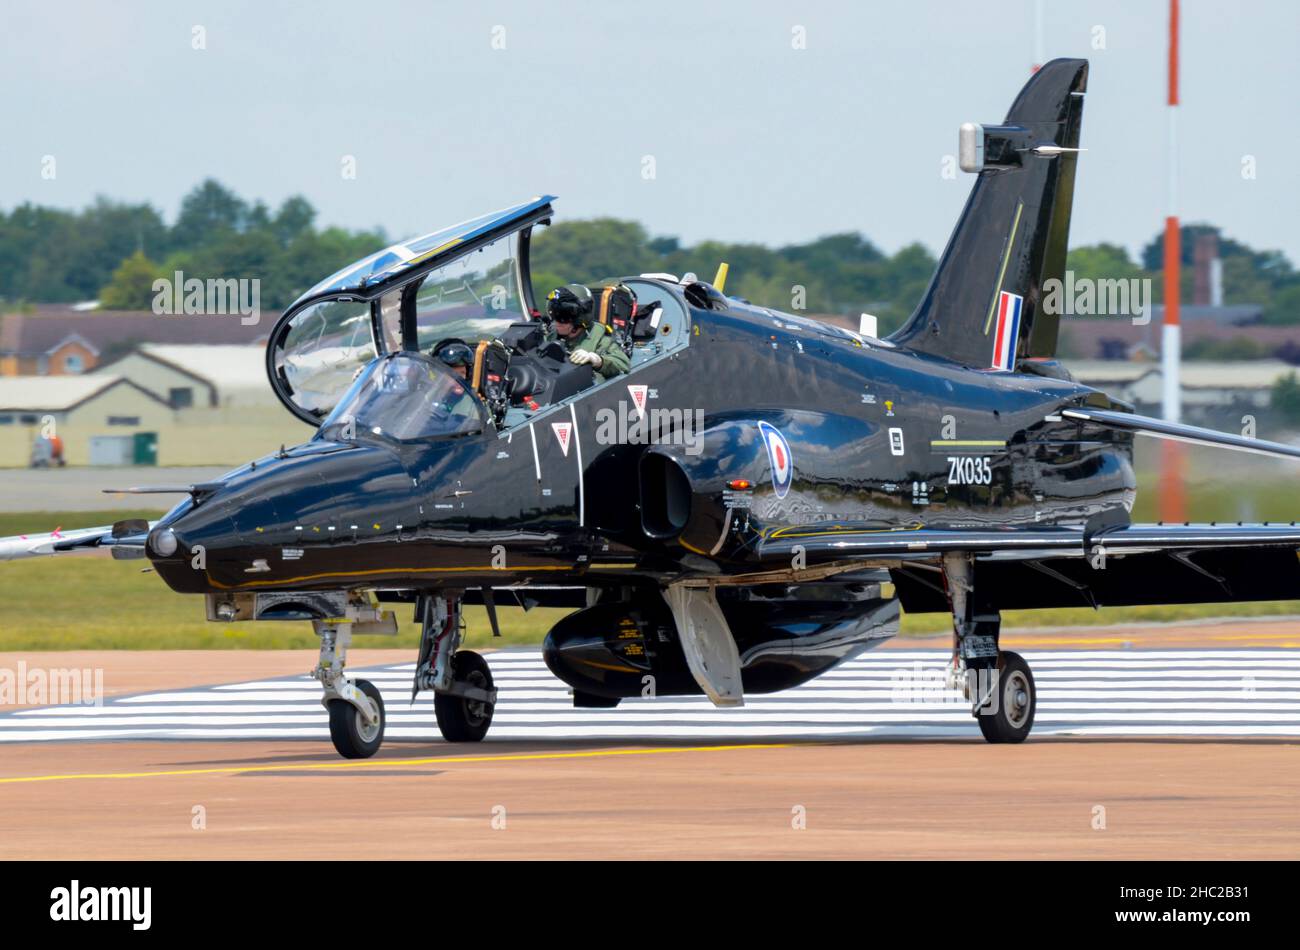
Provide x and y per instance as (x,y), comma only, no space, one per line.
(356,710)
(465,711)
(356,735)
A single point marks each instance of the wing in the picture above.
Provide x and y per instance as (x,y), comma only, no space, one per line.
(820,545)
(125,538)
(1107,561)
(1100,565)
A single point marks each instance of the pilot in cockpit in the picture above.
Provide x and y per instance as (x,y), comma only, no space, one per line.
(459,358)
(572,310)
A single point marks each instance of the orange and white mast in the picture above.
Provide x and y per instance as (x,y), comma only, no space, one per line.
(1171,335)
(1173,501)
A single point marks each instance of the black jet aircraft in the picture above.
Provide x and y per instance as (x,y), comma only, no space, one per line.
(746,508)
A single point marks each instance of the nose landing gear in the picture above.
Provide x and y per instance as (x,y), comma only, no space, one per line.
(355,735)
(356,709)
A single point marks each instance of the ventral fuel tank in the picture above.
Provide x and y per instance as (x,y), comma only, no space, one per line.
(786,634)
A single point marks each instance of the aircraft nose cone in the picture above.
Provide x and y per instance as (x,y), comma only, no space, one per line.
(322,497)
(292,518)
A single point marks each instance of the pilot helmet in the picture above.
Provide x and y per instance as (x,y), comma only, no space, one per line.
(571,302)
(456,354)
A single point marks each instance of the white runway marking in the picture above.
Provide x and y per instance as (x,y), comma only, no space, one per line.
(889,694)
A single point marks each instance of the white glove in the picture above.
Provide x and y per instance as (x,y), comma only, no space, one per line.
(586,358)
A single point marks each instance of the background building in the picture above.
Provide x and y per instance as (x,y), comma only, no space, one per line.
(159,404)
(58,340)
(99,418)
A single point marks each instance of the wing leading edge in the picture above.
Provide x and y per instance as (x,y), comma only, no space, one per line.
(1026,543)
(125,538)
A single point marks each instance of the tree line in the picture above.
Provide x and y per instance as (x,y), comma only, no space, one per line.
(113,251)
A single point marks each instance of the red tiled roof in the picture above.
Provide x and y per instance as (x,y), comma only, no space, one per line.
(37,332)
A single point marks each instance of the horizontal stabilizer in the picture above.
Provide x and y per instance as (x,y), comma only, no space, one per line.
(1178,432)
(155,490)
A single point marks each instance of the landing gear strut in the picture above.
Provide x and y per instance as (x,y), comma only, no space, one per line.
(464,697)
(356,709)
(998,683)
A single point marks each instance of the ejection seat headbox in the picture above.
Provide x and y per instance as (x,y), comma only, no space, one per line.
(616,308)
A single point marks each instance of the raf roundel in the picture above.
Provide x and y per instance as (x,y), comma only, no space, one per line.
(778,454)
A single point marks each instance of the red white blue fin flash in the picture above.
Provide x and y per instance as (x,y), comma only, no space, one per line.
(1007,330)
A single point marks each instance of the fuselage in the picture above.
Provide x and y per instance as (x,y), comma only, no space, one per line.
(878,436)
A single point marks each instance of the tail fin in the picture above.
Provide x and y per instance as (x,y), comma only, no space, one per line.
(982,307)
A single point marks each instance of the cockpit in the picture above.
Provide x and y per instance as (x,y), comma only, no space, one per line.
(362,347)
(405,397)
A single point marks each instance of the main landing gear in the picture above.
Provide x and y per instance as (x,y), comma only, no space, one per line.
(464,697)
(998,683)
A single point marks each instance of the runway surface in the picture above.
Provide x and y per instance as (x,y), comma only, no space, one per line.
(886,694)
(1186,751)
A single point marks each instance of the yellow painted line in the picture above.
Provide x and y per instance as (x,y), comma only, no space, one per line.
(1050,641)
(609,666)
(1251,636)
(1136,638)
(387,763)
(1011,242)
(470,568)
(790,531)
(437,250)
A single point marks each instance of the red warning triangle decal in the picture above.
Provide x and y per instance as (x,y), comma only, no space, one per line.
(563,431)
(638,398)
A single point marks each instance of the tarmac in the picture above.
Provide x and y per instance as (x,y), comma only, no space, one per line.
(865,793)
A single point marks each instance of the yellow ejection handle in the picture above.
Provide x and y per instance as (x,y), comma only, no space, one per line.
(720,279)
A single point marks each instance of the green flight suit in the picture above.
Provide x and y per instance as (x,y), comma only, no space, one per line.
(600,341)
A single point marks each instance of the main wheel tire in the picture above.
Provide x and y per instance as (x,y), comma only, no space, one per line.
(352,735)
(1017,700)
(461,719)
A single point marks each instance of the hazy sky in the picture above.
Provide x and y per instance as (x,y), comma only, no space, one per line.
(752,139)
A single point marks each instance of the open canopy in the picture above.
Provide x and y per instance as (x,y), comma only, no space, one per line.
(466,282)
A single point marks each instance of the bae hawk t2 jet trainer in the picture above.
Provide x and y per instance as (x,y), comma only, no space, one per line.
(800,483)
